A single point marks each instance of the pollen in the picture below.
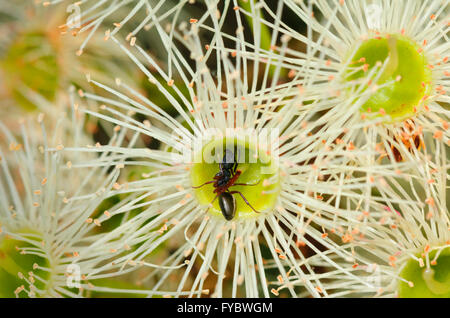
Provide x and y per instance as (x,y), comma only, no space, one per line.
(438,134)
(107,35)
(350,146)
(19,289)
(275,292)
(346,238)
(421,263)
(15,147)
(430,201)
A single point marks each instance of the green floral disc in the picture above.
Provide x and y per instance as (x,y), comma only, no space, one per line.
(407,76)
(427,283)
(13,262)
(257,168)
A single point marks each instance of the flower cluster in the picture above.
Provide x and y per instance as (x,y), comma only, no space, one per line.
(275,149)
(50,210)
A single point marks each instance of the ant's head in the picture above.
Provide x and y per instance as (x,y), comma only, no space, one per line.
(228,161)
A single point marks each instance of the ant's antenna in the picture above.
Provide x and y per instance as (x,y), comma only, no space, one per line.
(229,156)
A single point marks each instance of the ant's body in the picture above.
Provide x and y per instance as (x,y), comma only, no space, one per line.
(223,180)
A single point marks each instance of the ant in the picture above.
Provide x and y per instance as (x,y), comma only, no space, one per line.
(223,180)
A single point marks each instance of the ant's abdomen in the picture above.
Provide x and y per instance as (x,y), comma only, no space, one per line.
(227,204)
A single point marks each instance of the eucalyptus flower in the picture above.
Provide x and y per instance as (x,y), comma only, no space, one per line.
(50,213)
(286,187)
(39,58)
(401,245)
(378,70)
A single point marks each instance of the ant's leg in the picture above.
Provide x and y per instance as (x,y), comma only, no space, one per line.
(234,168)
(204,184)
(245,200)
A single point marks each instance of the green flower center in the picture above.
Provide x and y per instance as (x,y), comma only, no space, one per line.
(17,263)
(433,282)
(405,80)
(258,171)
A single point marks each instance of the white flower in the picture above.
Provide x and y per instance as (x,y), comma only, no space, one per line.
(49,211)
(403,244)
(392,112)
(38,58)
(211,252)
(378,70)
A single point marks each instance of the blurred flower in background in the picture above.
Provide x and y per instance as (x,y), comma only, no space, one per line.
(49,212)
(38,58)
